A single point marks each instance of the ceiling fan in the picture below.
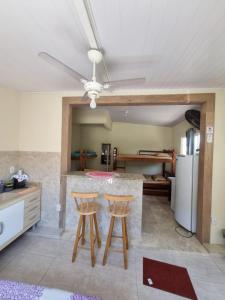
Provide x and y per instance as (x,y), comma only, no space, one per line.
(92,87)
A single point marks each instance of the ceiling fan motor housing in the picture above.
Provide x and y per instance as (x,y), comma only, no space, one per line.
(95,56)
(93,88)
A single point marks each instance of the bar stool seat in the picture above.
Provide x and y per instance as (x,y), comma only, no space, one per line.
(118,208)
(86,206)
(119,211)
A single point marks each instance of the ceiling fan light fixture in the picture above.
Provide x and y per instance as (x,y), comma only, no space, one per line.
(93,103)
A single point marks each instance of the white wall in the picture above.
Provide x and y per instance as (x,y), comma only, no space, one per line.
(9,120)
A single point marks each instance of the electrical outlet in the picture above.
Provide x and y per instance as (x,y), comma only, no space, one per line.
(213,220)
(12,170)
(58,207)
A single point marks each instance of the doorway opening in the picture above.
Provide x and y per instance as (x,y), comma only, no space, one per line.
(206,104)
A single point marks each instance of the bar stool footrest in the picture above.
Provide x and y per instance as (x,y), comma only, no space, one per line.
(117,236)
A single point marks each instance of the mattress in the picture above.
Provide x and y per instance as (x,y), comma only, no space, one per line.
(156,179)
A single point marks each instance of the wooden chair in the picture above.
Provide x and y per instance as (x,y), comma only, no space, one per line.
(86,206)
(118,208)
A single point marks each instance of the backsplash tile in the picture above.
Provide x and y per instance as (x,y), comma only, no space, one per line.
(7,160)
(44,167)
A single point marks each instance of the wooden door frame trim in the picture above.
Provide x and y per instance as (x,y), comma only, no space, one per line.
(207,102)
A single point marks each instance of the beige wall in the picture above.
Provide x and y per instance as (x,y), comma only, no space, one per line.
(40,130)
(75,143)
(40,122)
(128,138)
(9,120)
(132,137)
(97,117)
(218,192)
(92,136)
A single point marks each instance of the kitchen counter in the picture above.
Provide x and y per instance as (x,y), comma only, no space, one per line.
(124,184)
(130,176)
(14,196)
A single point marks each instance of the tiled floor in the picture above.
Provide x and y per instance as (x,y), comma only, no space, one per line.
(158,225)
(47,262)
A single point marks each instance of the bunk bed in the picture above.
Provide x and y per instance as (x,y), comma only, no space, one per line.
(159,184)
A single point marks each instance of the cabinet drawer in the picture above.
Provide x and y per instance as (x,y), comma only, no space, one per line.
(35,207)
(35,199)
(32,209)
(32,218)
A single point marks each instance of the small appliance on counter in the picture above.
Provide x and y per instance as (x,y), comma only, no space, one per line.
(16,181)
(19,179)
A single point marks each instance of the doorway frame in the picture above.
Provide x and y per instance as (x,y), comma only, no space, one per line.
(207,104)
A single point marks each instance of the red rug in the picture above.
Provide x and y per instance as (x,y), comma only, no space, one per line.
(167,277)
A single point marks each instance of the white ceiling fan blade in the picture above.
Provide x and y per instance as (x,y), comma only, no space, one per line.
(57,63)
(84,10)
(124,82)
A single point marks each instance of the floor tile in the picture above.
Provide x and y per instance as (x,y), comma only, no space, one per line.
(26,267)
(209,291)
(113,282)
(159,225)
(63,273)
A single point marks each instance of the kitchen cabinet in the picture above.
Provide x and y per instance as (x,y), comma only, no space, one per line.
(19,211)
(11,221)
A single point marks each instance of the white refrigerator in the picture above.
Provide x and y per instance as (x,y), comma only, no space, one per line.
(187,191)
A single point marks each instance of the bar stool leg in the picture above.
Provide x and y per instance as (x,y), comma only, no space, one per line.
(127,243)
(124,242)
(109,238)
(77,239)
(83,230)
(97,231)
(111,232)
(92,241)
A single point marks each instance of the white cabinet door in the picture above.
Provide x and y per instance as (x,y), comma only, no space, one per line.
(11,221)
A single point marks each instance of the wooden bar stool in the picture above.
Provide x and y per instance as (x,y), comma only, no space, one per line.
(86,206)
(118,208)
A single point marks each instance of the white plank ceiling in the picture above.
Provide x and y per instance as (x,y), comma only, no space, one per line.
(173,43)
(166,115)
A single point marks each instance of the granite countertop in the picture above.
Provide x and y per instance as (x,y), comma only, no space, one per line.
(126,176)
(9,198)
